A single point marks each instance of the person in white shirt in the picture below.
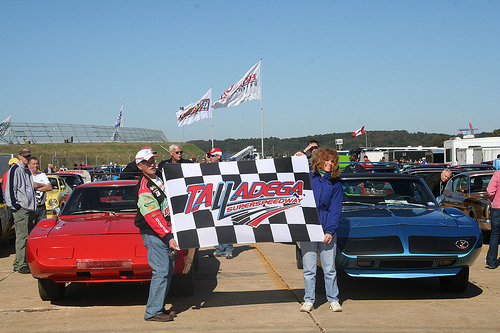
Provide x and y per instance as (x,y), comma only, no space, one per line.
(40,195)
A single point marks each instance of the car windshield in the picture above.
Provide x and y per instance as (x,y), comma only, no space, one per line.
(54,183)
(479,183)
(385,191)
(70,180)
(101,199)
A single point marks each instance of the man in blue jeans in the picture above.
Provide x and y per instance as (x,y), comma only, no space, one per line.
(153,219)
(222,250)
(493,191)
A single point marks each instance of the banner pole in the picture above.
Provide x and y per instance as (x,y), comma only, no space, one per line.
(212,119)
(261,111)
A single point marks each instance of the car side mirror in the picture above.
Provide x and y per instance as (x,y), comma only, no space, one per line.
(63,187)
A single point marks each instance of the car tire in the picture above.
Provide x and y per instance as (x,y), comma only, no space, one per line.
(182,285)
(50,290)
(298,257)
(455,283)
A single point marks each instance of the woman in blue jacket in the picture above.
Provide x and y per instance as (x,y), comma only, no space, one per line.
(327,190)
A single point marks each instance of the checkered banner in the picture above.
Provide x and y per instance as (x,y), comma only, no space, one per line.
(267,200)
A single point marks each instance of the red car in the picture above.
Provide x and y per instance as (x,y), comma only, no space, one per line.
(94,239)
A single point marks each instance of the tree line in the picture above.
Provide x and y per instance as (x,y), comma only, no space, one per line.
(277,147)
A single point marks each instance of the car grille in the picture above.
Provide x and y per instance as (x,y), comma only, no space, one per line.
(371,245)
(405,264)
(440,245)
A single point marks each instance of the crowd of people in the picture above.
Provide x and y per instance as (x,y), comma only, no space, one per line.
(24,187)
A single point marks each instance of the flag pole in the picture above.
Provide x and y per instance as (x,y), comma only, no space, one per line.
(366,140)
(212,120)
(261,111)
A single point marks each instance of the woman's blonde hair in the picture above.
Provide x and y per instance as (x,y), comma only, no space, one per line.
(325,154)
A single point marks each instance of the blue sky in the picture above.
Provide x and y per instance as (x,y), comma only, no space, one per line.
(327,66)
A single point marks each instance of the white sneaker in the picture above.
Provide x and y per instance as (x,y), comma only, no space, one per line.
(335,306)
(306,307)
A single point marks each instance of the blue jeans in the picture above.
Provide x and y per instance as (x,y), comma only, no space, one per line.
(40,213)
(327,253)
(163,269)
(491,257)
(223,249)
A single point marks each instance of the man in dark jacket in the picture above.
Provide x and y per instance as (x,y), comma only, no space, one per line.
(354,167)
(176,152)
(437,181)
(131,171)
(153,220)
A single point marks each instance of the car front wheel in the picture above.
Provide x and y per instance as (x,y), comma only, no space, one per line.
(455,283)
(50,290)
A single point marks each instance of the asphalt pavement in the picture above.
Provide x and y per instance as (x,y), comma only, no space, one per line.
(260,290)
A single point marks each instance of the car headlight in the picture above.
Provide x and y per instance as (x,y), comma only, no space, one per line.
(53,203)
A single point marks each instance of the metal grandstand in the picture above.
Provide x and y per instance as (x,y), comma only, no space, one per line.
(59,133)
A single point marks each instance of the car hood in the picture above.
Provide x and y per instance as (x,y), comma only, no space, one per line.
(391,216)
(482,196)
(95,225)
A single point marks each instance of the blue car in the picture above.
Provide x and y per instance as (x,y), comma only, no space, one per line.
(392,227)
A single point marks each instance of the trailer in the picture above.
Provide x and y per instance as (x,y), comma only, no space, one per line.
(431,154)
(470,150)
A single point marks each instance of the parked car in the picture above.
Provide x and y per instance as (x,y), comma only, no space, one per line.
(406,167)
(84,173)
(423,172)
(94,240)
(392,227)
(387,167)
(474,167)
(57,197)
(467,192)
(6,225)
(72,179)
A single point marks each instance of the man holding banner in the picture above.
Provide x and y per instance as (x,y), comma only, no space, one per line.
(222,250)
(153,219)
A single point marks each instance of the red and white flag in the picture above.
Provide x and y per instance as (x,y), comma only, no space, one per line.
(359,132)
(246,89)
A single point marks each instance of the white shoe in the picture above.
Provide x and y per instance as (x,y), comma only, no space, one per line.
(306,307)
(335,306)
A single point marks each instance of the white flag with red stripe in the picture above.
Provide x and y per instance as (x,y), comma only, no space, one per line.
(246,89)
(359,132)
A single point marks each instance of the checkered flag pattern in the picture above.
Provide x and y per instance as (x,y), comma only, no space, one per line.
(268,200)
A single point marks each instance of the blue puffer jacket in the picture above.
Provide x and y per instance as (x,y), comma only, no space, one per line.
(328,199)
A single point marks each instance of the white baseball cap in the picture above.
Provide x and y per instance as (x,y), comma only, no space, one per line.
(144,155)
